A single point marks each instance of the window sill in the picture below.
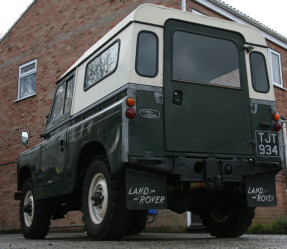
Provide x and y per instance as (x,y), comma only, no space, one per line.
(280,87)
(17,100)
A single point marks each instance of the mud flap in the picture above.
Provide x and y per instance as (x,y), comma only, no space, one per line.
(261,190)
(145,191)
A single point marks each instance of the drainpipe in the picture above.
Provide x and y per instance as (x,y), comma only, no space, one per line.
(284,125)
(183,5)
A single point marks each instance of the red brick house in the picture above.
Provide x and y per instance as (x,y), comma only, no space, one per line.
(47,39)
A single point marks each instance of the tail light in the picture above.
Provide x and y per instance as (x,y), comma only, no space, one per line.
(277,126)
(130,112)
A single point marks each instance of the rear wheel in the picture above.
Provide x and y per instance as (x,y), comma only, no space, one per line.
(104,211)
(34,214)
(138,222)
(229,221)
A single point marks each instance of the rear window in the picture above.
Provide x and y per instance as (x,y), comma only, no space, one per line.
(259,74)
(147,54)
(203,59)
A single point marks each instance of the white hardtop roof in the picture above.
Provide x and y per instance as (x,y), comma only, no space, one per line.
(158,15)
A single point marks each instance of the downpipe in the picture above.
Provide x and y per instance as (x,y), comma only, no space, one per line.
(183,5)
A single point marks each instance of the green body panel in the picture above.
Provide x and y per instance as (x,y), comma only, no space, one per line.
(54,163)
(104,128)
(211,119)
(262,113)
(147,134)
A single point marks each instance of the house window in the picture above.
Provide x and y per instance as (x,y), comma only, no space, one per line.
(27,80)
(275,61)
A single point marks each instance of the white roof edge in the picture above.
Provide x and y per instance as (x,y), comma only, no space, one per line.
(156,14)
(234,15)
(101,42)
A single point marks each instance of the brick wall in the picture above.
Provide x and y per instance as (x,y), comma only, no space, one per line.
(57,33)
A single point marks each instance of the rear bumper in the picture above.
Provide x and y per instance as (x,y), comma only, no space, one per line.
(213,171)
(148,179)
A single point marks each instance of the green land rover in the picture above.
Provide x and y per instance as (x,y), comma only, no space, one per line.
(169,110)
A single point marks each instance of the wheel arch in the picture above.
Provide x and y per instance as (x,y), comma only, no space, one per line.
(87,153)
(23,175)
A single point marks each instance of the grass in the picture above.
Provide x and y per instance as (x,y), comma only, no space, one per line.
(277,227)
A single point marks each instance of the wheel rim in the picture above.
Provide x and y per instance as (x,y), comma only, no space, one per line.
(98,188)
(28,208)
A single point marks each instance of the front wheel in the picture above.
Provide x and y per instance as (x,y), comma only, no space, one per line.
(34,214)
(229,221)
(104,210)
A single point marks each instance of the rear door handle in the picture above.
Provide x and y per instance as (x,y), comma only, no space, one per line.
(177,97)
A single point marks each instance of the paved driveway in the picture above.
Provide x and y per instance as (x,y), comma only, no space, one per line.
(144,240)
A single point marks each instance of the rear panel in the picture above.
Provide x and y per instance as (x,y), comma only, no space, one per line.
(205,112)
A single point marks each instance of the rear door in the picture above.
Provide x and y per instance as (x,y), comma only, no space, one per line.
(207,107)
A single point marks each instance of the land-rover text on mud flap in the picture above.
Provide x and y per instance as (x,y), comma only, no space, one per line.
(168,110)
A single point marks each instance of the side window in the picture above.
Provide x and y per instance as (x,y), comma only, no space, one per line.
(69,95)
(27,80)
(63,100)
(147,54)
(259,74)
(275,61)
(102,65)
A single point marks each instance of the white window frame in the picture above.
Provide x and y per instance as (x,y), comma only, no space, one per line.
(23,75)
(279,84)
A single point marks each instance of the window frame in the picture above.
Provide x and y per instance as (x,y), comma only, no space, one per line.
(157,54)
(65,115)
(86,88)
(252,72)
(23,75)
(280,67)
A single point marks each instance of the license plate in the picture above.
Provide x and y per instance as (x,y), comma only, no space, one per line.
(267,143)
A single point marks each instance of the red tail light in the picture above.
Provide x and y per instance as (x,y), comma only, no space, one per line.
(277,126)
(131,113)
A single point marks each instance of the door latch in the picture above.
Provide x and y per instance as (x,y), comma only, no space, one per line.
(177,98)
